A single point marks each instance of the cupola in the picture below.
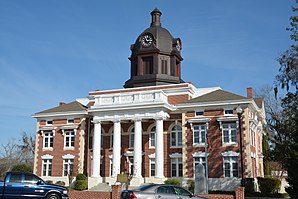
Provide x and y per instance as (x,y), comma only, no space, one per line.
(155,56)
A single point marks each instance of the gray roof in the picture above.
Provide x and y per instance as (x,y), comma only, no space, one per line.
(72,106)
(218,95)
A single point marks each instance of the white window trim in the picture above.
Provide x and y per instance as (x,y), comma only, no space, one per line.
(199,110)
(230,136)
(150,131)
(176,134)
(228,109)
(68,159)
(150,161)
(70,122)
(231,165)
(46,158)
(64,135)
(43,132)
(130,132)
(49,124)
(176,157)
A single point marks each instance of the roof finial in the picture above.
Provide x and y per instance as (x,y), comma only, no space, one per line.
(156,17)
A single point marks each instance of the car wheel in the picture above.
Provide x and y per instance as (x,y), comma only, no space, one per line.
(53,196)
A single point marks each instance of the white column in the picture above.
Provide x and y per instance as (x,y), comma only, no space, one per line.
(159,150)
(116,148)
(137,151)
(96,149)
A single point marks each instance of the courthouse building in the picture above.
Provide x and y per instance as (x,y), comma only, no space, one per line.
(155,128)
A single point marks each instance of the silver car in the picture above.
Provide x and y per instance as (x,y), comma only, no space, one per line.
(158,191)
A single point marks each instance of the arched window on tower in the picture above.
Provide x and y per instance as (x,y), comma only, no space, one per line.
(147,65)
(176,136)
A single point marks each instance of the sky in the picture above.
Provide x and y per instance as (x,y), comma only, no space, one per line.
(59,50)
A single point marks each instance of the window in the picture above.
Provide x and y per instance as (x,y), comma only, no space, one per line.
(111,167)
(199,134)
(152,137)
(148,65)
(229,112)
(176,167)
(199,113)
(182,192)
(70,121)
(231,167)
(47,167)
(131,137)
(68,167)
(165,190)
(164,66)
(48,140)
(69,139)
(199,160)
(253,134)
(49,122)
(152,167)
(229,131)
(15,178)
(31,179)
(176,136)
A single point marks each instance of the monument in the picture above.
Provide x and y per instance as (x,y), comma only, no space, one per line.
(200,179)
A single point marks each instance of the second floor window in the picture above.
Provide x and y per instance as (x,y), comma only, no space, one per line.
(199,134)
(229,133)
(131,138)
(176,136)
(48,140)
(69,139)
(152,137)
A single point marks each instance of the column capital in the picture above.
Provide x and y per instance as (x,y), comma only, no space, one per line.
(96,122)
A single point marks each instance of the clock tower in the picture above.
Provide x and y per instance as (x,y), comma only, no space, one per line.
(155,56)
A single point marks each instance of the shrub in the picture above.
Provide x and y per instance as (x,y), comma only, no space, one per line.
(80,185)
(81,176)
(62,183)
(81,182)
(49,181)
(22,168)
(172,182)
(269,185)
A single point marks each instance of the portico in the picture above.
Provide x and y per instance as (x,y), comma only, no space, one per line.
(119,109)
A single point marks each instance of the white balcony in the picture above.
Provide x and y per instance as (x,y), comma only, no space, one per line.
(118,99)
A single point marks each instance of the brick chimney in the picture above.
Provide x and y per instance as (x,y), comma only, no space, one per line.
(249,92)
(61,103)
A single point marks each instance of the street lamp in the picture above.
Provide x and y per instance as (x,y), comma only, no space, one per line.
(239,113)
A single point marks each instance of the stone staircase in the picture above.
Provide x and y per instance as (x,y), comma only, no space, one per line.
(101,187)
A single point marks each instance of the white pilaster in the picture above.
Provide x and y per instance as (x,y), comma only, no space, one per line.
(116,148)
(96,149)
(159,150)
(137,152)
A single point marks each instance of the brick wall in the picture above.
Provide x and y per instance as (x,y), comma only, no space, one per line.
(115,194)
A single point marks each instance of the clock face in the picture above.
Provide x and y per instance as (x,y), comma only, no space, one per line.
(147,40)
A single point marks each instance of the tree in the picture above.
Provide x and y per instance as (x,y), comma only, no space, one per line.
(14,153)
(288,127)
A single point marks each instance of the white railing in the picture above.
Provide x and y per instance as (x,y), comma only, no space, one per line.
(130,98)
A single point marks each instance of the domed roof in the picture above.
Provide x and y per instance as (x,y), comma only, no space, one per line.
(162,38)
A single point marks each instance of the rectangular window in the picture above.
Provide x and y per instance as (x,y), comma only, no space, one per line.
(49,122)
(164,66)
(48,140)
(176,167)
(152,139)
(199,134)
(231,167)
(148,65)
(229,112)
(15,178)
(47,167)
(68,167)
(199,113)
(70,121)
(152,167)
(69,139)
(229,133)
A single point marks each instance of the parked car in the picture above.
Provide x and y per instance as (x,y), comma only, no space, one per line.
(17,185)
(158,191)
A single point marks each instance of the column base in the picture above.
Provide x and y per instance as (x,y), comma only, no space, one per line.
(93,181)
(136,181)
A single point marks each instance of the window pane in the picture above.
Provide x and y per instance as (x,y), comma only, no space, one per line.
(16,178)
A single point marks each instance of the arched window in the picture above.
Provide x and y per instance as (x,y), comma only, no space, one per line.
(131,137)
(152,137)
(176,136)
